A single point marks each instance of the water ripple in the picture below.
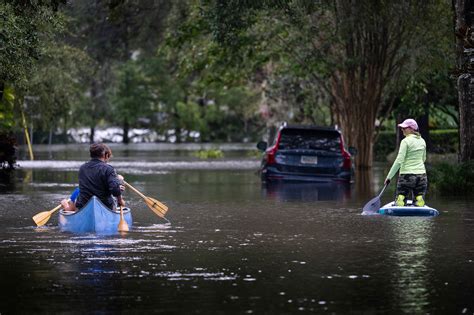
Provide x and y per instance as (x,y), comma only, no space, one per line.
(213,276)
(135,166)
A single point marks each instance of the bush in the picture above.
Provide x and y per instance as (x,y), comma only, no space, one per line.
(444,141)
(7,151)
(453,179)
(209,154)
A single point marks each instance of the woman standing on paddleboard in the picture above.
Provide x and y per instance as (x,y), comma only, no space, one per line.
(411,163)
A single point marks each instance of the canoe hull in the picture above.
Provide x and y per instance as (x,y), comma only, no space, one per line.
(94,217)
(408,211)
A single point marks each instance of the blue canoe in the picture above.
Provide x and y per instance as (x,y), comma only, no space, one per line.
(93,217)
(408,210)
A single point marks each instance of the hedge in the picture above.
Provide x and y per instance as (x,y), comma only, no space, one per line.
(452,179)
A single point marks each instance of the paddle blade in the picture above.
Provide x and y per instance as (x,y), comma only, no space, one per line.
(157,207)
(123,225)
(43,217)
(372,206)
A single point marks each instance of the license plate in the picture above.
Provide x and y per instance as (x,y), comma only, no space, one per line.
(309,159)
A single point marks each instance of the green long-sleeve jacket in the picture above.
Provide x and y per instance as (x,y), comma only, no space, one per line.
(411,156)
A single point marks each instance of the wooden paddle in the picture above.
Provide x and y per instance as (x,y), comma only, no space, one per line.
(123,225)
(43,217)
(374,205)
(157,207)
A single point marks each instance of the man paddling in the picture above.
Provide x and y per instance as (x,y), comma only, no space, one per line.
(97,178)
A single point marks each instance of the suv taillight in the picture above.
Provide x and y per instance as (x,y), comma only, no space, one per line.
(346,157)
(346,162)
(271,152)
(271,155)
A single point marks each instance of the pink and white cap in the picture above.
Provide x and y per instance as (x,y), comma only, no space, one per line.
(409,123)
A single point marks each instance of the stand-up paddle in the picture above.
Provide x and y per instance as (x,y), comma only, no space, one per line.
(373,205)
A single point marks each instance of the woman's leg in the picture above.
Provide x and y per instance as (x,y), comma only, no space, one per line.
(403,189)
(419,190)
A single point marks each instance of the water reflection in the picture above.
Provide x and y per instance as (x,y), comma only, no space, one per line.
(412,272)
(303,191)
(139,166)
(7,180)
(364,183)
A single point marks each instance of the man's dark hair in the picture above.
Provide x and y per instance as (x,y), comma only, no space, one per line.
(98,150)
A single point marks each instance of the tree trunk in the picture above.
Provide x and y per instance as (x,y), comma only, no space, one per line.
(95,106)
(177,131)
(355,107)
(464,16)
(65,128)
(423,125)
(126,128)
(91,137)
(50,136)
(398,132)
(372,54)
(466,117)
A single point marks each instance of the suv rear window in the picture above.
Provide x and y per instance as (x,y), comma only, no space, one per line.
(307,139)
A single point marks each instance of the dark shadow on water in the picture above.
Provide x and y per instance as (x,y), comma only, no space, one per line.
(7,180)
(303,191)
(364,184)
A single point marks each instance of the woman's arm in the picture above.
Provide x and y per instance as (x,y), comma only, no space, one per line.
(402,152)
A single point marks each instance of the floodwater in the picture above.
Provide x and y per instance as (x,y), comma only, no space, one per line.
(232,244)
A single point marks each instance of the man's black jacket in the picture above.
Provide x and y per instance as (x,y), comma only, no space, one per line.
(97,178)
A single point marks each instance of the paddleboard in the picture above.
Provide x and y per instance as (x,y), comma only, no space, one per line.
(408,210)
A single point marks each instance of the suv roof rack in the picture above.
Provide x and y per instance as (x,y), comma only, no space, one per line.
(311,127)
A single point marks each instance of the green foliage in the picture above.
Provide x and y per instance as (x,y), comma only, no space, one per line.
(6,109)
(209,154)
(384,145)
(189,116)
(199,89)
(452,179)
(435,96)
(325,61)
(130,96)
(444,141)
(211,66)
(57,86)
(254,154)
(229,114)
(23,28)
(412,101)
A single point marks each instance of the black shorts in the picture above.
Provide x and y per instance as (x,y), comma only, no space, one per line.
(408,183)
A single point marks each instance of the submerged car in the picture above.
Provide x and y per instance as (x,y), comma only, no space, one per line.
(307,153)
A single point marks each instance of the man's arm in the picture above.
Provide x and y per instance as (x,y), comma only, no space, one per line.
(113,182)
(121,201)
